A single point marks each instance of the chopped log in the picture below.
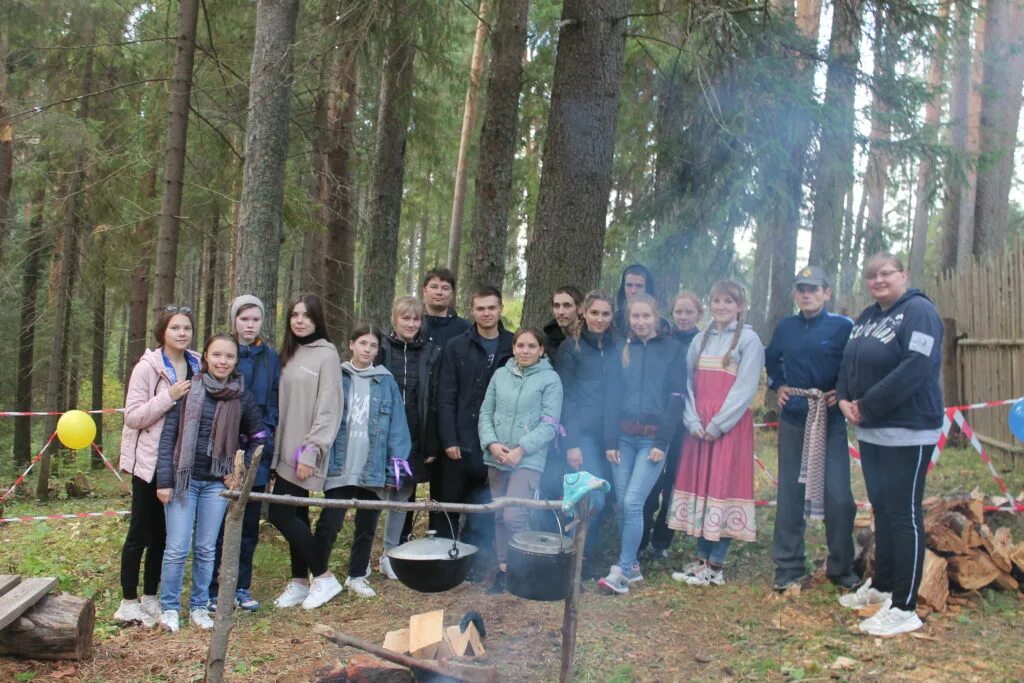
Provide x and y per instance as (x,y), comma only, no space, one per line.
(934,588)
(78,486)
(1003,546)
(943,539)
(369,669)
(1017,556)
(22,596)
(965,528)
(59,626)
(972,572)
(1006,582)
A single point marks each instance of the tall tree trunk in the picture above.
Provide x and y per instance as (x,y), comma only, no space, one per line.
(834,175)
(139,283)
(98,294)
(568,238)
(876,177)
(211,265)
(925,187)
(66,278)
(6,146)
(476,69)
(266,154)
(31,275)
(1000,114)
(958,125)
(174,156)
(759,287)
(498,141)
(393,111)
(965,223)
(342,216)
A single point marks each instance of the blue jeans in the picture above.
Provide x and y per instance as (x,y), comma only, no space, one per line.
(713,552)
(202,510)
(635,477)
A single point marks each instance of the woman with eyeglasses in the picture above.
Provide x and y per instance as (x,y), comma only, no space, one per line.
(160,379)
(889,390)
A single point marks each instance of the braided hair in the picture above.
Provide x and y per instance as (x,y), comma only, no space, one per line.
(734,291)
(638,299)
(588,301)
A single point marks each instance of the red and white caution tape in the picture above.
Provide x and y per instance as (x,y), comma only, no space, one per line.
(43,413)
(986,404)
(17,482)
(107,462)
(73,515)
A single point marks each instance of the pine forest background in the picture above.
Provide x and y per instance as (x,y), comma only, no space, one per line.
(182,151)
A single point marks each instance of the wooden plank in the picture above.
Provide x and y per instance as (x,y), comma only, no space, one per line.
(7,582)
(23,596)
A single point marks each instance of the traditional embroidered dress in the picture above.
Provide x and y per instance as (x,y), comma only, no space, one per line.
(714,490)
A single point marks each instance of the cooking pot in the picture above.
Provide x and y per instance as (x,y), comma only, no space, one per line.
(539,564)
(432,564)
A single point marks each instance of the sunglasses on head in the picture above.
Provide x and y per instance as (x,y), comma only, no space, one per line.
(178,309)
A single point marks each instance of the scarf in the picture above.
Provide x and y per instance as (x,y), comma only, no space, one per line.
(310,338)
(812,460)
(227,418)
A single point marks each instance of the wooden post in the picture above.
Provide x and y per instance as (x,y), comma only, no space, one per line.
(224,621)
(950,364)
(570,614)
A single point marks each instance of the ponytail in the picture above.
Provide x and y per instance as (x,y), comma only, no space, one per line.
(727,358)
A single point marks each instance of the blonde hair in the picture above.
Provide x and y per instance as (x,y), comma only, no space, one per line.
(406,304)
(692,296)
(638,299)
(734,291)
(588,301)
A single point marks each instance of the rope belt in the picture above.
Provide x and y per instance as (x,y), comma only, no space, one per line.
(812,460)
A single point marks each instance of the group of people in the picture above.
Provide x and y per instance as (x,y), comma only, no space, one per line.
(658,408)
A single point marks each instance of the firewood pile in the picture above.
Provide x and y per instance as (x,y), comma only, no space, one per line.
(964,553)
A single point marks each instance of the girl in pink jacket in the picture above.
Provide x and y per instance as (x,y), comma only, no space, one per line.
(161,377)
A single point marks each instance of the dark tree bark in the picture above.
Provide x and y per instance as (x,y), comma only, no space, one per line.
(925,188)
(66,277)
(1000,113)
(266,153)
(498,141)
(31,275)
(876,177)
(98,294)
(476,69)
(174,155)
(958,99)
(341,211)
(6,146)
(211,265)
(968,197)
(138,286)
(393,111)
(568,236)
(834,174)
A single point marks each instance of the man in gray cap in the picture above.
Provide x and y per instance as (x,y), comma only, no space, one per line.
(804,354)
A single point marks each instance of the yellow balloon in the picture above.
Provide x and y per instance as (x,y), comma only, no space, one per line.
(76,429)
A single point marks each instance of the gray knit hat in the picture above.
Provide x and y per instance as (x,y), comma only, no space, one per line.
(245,300)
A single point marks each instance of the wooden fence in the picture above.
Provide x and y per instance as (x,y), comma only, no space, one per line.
(983,306)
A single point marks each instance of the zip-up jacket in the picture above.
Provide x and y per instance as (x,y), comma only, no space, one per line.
(805,353)
(555,336)
(439,329)
(891,365)
(251,425)
(513,412)
(260,367)
(145,406)
(650,389)
(462,385)
(586,370)
(415,366)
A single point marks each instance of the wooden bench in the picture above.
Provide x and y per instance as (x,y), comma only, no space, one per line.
(36,624)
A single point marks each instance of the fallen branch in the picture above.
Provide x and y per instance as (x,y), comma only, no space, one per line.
(427,505)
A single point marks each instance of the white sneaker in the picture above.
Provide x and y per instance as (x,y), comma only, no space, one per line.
(150,608)
(200,616)
(322,590)
(706,576)
(360,586)
(385,568)
(169,620)
(863,596)
(131,612)
(873,619)
(893,622)
(687,571)
(615,582)
(294,593)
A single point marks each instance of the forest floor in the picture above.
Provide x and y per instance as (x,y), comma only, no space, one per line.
(660,631)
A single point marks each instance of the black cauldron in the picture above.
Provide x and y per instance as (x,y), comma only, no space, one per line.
(432,564)
(539,563)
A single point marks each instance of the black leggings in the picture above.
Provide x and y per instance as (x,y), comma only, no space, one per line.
(895,480)
(310,550)
(146,532)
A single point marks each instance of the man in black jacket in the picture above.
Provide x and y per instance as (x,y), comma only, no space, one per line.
(467,364)
(440,321)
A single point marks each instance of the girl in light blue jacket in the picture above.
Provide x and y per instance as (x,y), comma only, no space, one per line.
(518,422)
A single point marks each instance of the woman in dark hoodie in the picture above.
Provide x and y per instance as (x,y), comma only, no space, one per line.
(413,361)
(889,390)
(649,397)
(587,362)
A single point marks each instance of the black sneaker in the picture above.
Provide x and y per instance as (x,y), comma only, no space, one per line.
(498,587)
(846,581)
(783,583)
(591,570)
